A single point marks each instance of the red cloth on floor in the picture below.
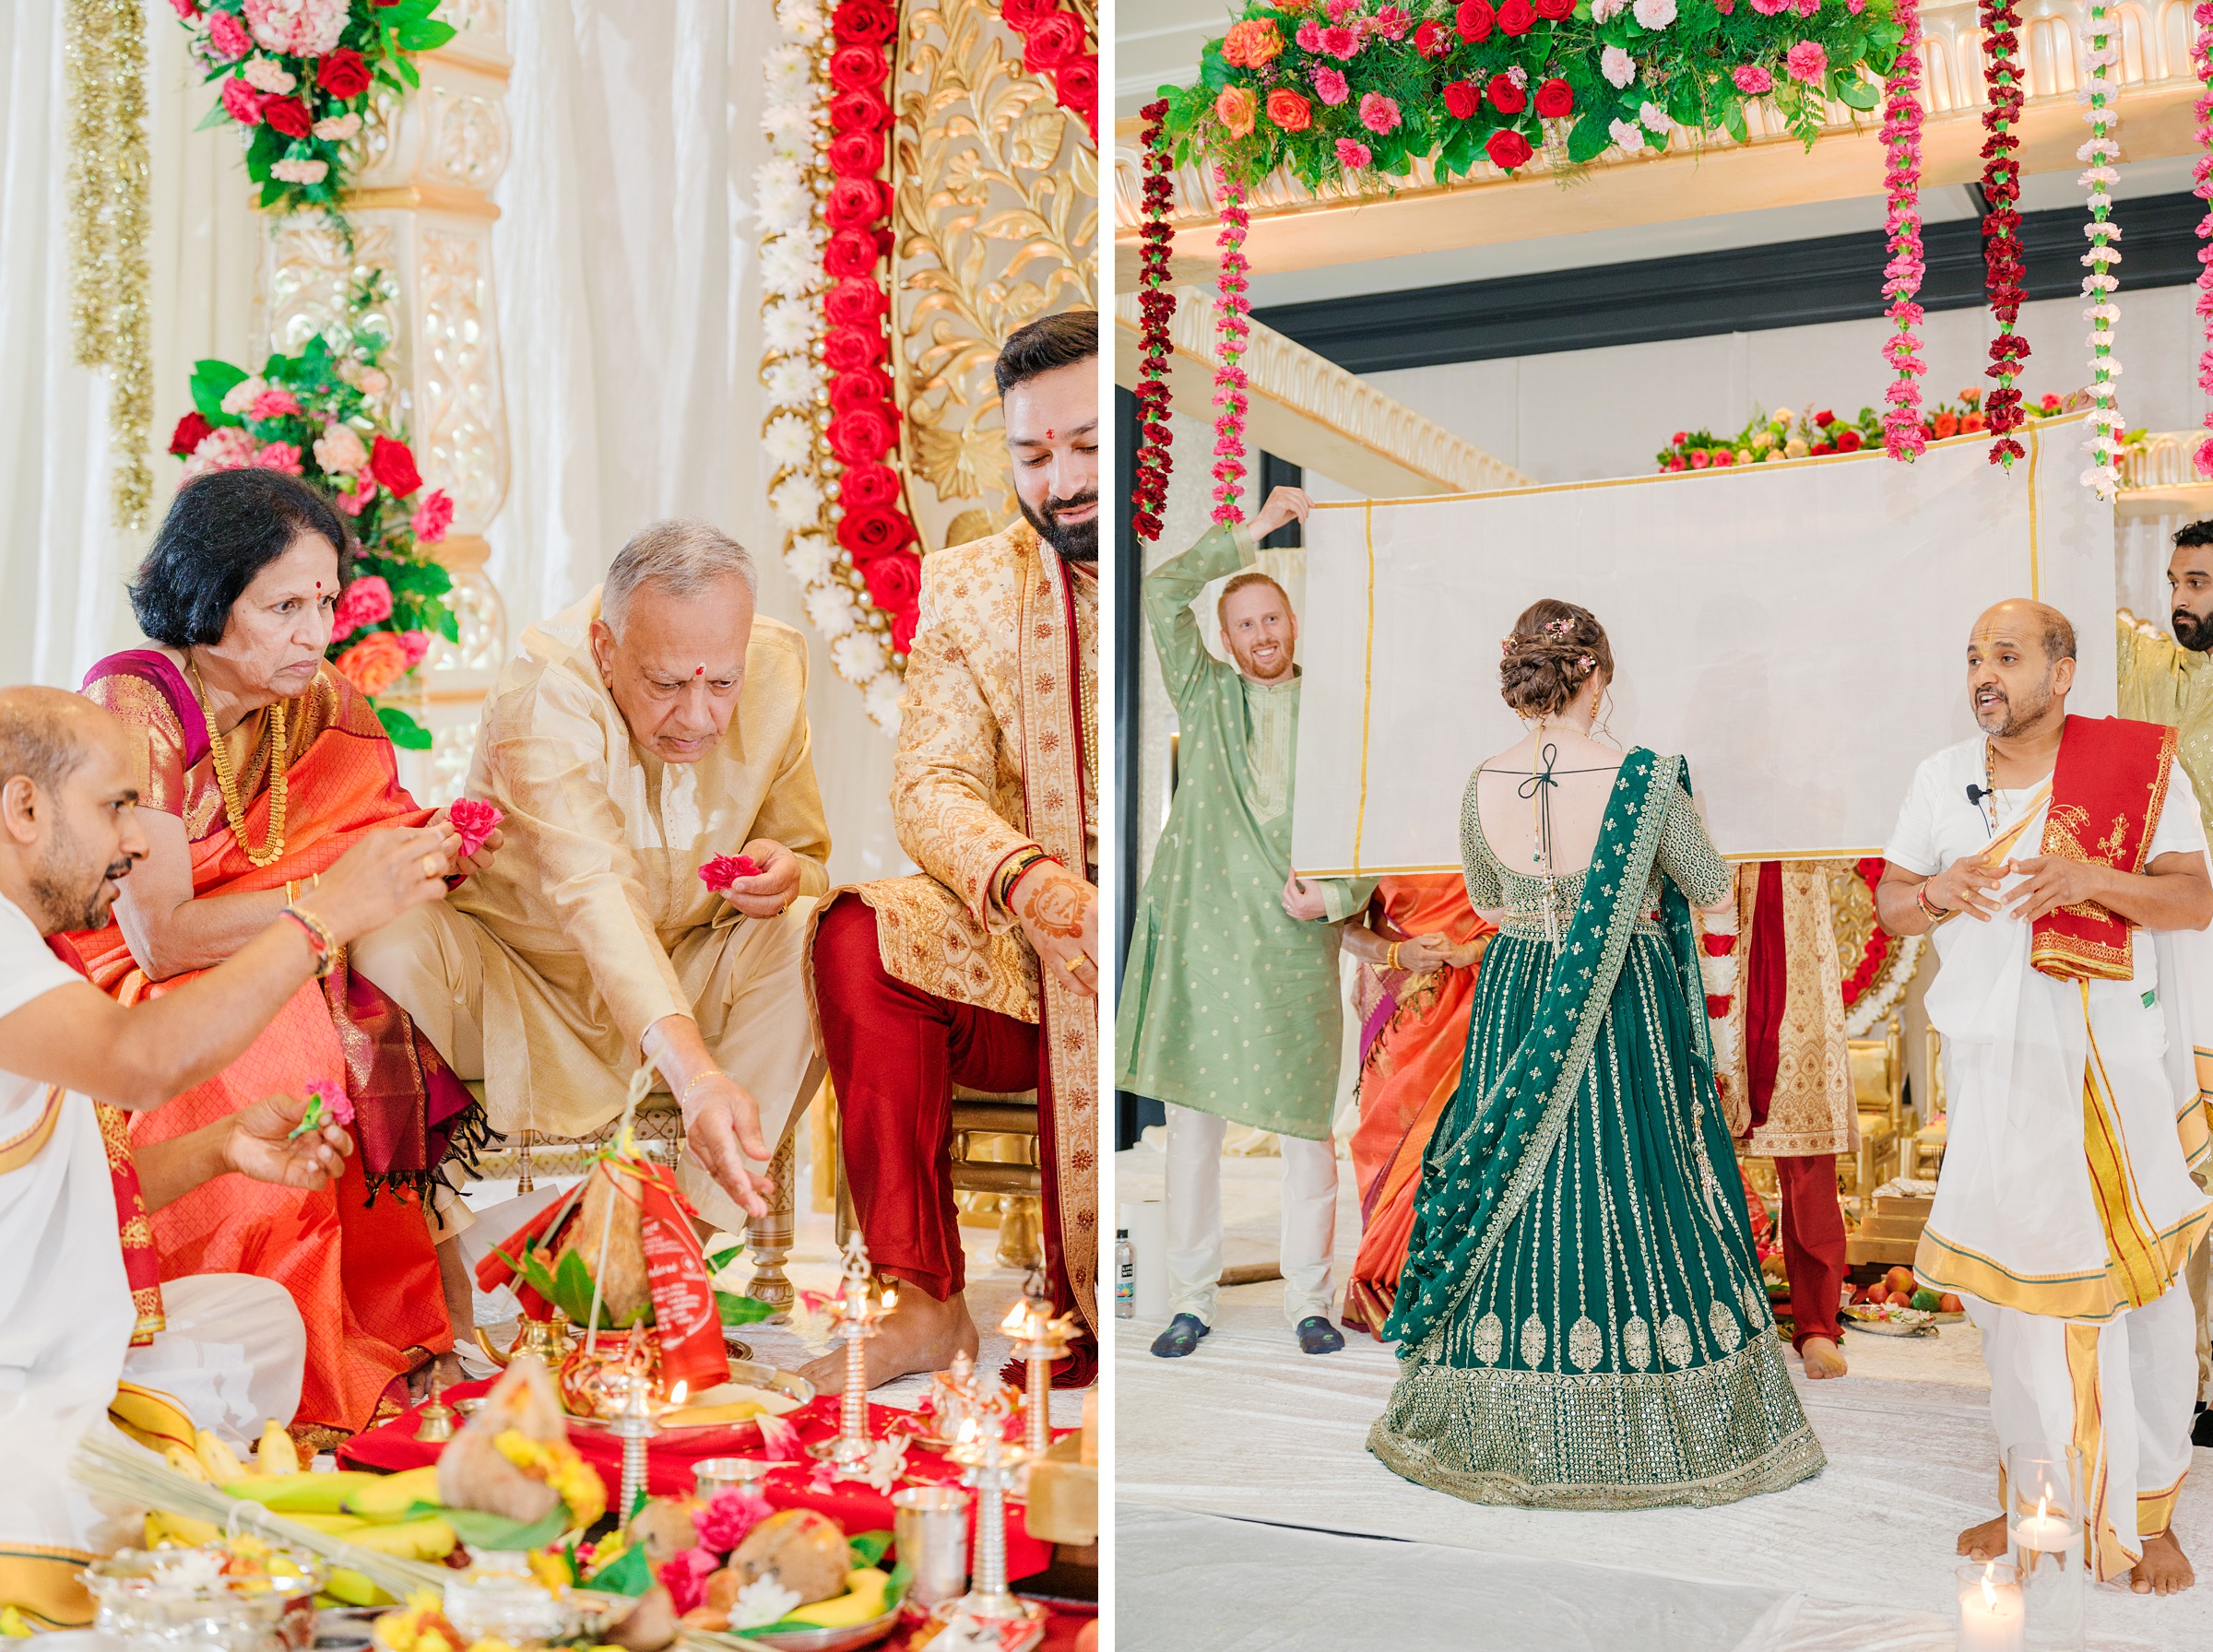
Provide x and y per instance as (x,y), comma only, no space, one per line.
(854,1505)
(896,1053)
(1813,1243)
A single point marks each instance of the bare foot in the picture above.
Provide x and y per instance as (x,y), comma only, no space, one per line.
(2164,1570)
(447,1367)
(1986,1541)
(921,1335)
(1823,1358)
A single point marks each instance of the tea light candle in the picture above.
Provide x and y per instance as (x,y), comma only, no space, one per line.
(2047,1534)
(1992,1618)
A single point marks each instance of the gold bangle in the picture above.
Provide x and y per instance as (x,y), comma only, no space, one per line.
(292,891)
(1390,958)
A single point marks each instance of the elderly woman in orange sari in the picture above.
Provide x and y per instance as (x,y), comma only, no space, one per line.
(262,766)
(1418,953)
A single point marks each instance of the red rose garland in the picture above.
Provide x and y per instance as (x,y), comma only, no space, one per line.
(2002,269)
(1231,330)
(864,421)
(1155,457)
(1877,950)
(2201,65)
(1055,42)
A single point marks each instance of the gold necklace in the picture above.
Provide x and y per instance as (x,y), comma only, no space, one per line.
(226,780)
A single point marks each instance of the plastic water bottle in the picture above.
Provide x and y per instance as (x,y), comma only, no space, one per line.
(1125,1276)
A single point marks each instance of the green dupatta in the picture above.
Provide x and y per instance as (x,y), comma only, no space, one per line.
(1475,1182)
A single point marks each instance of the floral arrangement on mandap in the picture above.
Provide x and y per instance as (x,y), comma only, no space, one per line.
(320,415)
(1783,434)
(1360,90)
(297,78)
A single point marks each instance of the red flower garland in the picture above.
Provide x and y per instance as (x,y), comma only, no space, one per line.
(2201,65)
(864,421)
(1055,42)
(1877,951)
(1154,458)
(2002,269)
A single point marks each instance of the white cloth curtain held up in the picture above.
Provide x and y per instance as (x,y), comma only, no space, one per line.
(629,319)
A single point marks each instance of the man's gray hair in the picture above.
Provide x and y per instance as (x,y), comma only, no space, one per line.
(680,557)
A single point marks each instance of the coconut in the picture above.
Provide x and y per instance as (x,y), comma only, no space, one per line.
(471,1471)
(610,1216)
(801,1549)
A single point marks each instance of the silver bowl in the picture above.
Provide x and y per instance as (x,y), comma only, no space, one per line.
(846,1639)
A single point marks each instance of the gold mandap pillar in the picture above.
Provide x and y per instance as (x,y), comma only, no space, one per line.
(422,212)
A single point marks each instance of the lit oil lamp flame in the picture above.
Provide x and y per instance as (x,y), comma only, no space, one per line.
(675,1395)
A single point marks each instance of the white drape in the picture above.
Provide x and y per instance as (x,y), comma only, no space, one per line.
(629,308)
(63,563)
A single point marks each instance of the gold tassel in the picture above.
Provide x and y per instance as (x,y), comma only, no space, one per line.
(111,321)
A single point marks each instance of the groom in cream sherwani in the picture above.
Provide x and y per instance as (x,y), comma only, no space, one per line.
(2061,863)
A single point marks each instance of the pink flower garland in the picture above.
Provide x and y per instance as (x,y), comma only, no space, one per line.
(2201,64)
(1903,437)
(1231,330)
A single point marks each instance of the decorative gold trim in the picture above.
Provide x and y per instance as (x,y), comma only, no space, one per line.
(422,197)
(2089,1296)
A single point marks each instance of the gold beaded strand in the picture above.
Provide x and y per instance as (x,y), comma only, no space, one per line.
(226,779)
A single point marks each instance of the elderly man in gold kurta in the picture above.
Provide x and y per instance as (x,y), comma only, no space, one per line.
(2169,679)
(982,972)
(653,726)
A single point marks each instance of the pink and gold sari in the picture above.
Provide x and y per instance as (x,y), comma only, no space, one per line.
(1413,1031)
(357,1257)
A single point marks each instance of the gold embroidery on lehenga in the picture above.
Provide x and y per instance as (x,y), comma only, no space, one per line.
(1723,1325)
(1637,1343)
(1490,1338)
(1533,1340)
(1674,1341)
(1586,1343)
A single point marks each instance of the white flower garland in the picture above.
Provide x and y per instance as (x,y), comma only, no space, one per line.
(788,189)
(2102,90)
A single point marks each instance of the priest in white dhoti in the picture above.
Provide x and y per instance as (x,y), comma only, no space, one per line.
(88,1329)
(2061,863)
(650,728)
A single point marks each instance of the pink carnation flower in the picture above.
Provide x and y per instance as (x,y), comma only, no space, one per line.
(1329,87)
(1377,114)
(337,1107)
(1393,22)
(340,451)
(364,602)
(298,28)
(722,1525)
(722,871)
(1806,8)
(1807,61)
(1308,36)
(685,1578)
(1340,43)
(355,502)
(280,456)
(228,35)
(227,447)
(433,517)
(473,820)
(415,644)
(1339,10)
(275,404)
(1753,80)
(1767,9)
(242,102)
(1351,156)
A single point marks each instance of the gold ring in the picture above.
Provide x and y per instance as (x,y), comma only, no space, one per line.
(432,867)
(1074,966)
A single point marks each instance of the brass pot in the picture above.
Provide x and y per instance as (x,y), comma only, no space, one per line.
(595,1377)
(547,1339)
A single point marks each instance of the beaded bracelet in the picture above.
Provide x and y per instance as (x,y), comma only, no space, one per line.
(318,938)
(1012,871)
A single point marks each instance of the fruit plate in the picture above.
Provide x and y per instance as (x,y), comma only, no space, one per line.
(846,1639)
(1884,1320)
(721,1436)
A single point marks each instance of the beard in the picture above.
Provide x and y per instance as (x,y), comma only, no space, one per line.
(2193,632)
(1077,541)
(2005,718)
(69,893)
(1245,663)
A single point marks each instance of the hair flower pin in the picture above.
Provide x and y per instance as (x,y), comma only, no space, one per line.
(1585,663)
(1559,627)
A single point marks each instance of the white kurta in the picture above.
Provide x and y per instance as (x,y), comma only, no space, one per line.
(2016,1228)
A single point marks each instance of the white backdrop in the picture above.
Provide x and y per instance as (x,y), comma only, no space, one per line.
(1797,629)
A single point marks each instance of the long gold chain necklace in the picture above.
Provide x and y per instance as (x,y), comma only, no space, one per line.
(226,779)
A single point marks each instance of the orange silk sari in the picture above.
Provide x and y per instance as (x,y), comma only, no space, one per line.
(356,1256)
(1413,1034)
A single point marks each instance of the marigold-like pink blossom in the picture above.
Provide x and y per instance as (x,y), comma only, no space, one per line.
(280,455)
(227,447)
(275,403)
(433,517)
(1807,61)
(1330,86)
(297,27)
(1377,114)
(1752,80)
(1353,155)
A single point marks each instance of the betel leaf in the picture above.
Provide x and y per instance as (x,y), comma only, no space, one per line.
(740,1310)
(869,1547)
(629,1574)
(403,730)
(1591,137)
(1856,93)
(497,1532)
(573,1288)
(212,380)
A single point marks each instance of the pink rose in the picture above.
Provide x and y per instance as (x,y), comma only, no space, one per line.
(228,35)
(1351,156)
(1329,87)
(1377,114)
(1753,80)
(242,102)
(280,455)
(433,517)
(1807,61)
(275,404)
(364,602)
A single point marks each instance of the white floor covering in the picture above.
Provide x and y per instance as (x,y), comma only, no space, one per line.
(1248,1427)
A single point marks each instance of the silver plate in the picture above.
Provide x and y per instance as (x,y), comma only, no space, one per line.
(830,1640)
(741,1371)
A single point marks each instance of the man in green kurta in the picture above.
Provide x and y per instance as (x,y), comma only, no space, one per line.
(1229,1006)
(2169,679)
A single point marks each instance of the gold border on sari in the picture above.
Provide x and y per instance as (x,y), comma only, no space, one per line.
(2090,1296)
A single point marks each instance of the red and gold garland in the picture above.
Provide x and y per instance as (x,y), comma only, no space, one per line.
(872,524)
(2003,267)
(1155,457)
(1055,42)
(1877,952)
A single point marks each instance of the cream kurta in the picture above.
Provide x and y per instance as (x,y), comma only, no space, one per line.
(591,923)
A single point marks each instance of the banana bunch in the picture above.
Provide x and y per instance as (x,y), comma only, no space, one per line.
(866,1588)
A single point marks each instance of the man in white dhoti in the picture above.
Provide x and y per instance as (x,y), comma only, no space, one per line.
(2065,1210)
(81,1307)
(649,730)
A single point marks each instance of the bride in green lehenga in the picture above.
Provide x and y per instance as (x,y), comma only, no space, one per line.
(1581,1323)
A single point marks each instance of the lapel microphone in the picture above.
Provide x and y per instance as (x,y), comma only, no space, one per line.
(1975,793)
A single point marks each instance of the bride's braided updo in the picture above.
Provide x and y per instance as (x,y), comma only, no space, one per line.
(1552,653)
